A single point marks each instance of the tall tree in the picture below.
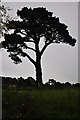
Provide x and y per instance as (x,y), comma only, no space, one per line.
(30,28)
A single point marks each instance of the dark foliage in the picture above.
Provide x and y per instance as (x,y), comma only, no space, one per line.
(30,82)
(76,85)
(18,82)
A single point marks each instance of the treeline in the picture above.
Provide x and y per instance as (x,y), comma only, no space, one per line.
(17,82)
(31,82)
(53,83)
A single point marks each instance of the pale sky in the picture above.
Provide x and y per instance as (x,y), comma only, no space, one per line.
(59,62)
(40,0)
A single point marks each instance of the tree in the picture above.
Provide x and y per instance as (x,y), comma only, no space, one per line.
(52,81)
(4,18)
(30,28)
(67,84)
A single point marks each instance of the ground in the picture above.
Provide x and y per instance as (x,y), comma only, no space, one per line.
(41,103)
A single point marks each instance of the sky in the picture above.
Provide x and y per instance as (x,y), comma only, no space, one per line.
(59,62)
(40,0)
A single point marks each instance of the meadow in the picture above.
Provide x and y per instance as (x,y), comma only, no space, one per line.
(49,103)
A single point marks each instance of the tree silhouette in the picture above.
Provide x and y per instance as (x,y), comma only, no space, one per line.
(52,81)
(30,28)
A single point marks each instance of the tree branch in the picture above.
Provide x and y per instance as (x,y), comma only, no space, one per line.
(22,33)
(26,37)
(30,41)
(31,48)
(30,59)
(45,46)
(43,49)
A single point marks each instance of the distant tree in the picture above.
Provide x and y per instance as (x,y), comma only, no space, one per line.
(52,81)
(33,25)
(77,85)
(67,84)
(57,84)
(30,82)
(20,81)
(4,18)
(14,81)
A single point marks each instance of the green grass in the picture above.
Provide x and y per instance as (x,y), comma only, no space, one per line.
(41,103)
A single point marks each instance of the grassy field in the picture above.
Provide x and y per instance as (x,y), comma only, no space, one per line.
(48,103)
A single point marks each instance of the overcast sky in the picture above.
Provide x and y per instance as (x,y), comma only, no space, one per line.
(59,62)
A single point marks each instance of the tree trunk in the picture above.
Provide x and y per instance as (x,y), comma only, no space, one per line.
(38,73)
(38,65)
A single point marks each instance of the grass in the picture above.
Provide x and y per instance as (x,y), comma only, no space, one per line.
(41,103)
